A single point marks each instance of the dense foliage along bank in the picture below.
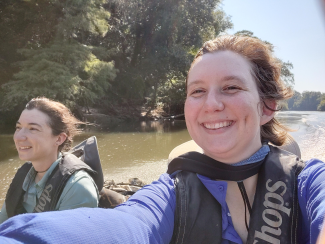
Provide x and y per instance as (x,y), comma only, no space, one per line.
(307,101)
(105,54)
(102,53)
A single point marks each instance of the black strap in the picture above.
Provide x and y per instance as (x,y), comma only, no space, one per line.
(204,165)
(15,194)
(50,177)
(246,201)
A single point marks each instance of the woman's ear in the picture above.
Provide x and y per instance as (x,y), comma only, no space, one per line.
(61,138)
(268,110)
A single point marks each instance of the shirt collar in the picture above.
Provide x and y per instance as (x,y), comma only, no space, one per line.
(256,157)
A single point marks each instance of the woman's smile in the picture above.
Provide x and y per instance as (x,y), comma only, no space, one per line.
(217,125)
(24,148)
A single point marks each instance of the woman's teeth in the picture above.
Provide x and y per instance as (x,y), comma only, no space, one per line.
(24,148)
(217,125)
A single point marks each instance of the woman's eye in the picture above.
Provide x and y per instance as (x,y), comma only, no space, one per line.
(232,89)
(197,92)
(17,128)
(33,129)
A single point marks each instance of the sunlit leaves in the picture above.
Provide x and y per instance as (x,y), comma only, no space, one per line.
(83,16)
(286,75)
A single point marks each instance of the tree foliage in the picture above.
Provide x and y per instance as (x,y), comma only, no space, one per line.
(24,24)
(156,42)
(102,53)
(307,101)
(64,68)
(321,106)
(105,53)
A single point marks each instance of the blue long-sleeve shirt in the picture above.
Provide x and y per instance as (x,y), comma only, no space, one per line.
(148,216)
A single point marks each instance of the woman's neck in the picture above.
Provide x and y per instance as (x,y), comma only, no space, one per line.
(39,176)
(42,166)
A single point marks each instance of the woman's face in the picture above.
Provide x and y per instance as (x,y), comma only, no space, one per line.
(34,139)
(222,110)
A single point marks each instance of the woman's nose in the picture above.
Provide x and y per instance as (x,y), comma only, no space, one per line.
(20,135)
(214,102)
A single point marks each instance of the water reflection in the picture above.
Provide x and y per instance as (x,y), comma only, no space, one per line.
(158,126)
(292,119)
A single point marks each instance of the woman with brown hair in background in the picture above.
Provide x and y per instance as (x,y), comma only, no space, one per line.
(44,130)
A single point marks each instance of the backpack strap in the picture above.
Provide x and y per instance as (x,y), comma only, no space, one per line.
(15,194)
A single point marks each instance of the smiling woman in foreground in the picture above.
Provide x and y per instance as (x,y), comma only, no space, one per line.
(44,129)
(240,190)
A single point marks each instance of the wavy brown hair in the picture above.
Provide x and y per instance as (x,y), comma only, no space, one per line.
(266,70)
(61,119)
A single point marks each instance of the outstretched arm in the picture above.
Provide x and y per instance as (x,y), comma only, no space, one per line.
(148,217)
(311,195)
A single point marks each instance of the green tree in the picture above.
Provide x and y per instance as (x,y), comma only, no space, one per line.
(309,101)
(23,24)
(157,40)
(321,106)
(294,101)
(66,68)
(64,72)
(64,49)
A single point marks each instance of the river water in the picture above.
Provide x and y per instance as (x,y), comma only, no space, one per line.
(141,149)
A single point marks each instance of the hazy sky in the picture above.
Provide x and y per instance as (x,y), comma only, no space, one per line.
(295,27)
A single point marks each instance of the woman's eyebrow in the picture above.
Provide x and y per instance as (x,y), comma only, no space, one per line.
(35,124)
(234,77)
(194,83)
(29,124)
(226,78)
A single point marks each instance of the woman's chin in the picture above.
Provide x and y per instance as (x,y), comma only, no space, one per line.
(24,157)
(218,153)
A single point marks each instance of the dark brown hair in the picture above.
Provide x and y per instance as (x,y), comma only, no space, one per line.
(266,70)
(61,119)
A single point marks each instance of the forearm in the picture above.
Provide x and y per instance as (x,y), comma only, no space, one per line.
(84,225)
(311,195)
(148,217)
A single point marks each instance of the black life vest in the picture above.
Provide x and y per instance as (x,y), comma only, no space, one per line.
(275,211)
(78,158)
